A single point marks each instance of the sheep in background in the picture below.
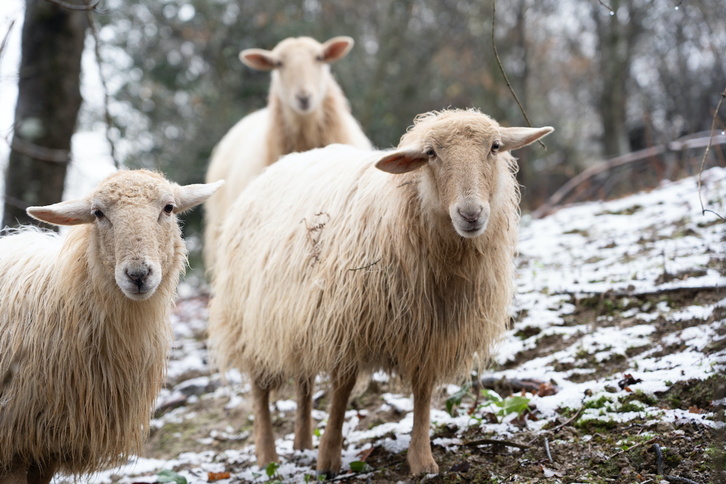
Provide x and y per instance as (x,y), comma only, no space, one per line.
(84,325)
(306,110)
(343,261)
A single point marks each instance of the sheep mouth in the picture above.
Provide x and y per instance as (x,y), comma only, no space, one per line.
(470,229)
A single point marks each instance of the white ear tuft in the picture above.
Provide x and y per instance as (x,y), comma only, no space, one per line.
(189,196)
(72,212)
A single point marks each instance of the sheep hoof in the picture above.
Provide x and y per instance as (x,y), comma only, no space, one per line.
(327,474)
(424,468)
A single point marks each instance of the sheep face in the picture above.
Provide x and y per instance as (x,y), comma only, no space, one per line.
(300,68)
(462,154)
(135,236)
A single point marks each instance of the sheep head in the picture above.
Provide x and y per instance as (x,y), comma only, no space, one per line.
(301,72)
(135,236)
(463,153)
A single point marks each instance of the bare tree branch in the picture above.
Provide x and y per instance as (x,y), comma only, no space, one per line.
(501,68)
(104,85)
(72,6)
(612,12)
(5,39)
(705,154)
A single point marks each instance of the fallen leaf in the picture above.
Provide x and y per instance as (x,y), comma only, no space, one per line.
(694,409)
(551,473)
(218,476)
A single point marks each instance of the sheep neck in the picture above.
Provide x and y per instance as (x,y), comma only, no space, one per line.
(291,132)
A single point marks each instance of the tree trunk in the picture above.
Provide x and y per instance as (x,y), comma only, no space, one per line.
(47,109)
(614,71)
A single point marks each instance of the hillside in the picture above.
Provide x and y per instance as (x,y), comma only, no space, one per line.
(613,370)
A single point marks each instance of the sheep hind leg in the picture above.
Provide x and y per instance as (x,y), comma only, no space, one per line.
(420,459)
(264,436)
(303,421)
(41,474)
(331,443)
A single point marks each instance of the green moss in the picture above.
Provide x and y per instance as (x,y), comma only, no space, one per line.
(595,425)
(601,402)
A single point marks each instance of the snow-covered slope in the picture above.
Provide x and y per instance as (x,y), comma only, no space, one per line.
(605,289)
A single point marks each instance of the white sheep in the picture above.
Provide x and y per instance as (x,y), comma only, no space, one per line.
(306,109)
(342,261)
(84,325)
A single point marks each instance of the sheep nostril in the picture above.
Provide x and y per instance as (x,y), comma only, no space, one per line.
(304,101)
(470,215)
(138,276)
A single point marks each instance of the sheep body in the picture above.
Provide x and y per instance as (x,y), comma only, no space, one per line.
(85,327)
(285,125)
(347,268)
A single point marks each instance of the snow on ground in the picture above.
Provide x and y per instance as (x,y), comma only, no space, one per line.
(624,261)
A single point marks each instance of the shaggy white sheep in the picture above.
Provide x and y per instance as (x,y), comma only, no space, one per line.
(84,325)
(341,261)
(306,110)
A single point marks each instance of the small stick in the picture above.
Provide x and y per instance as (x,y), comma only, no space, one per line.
(577,414)
(547,449)
(658,459)
(496,442)
(637,445)
(679,479)
(366,266)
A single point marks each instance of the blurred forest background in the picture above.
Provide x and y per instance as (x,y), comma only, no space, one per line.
(612,76)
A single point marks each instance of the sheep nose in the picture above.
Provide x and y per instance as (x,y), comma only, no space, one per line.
(138,275)
(470,214)
(304,101)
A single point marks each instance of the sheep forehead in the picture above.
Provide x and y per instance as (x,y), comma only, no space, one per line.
(133,188)
(295,46)
(452,128)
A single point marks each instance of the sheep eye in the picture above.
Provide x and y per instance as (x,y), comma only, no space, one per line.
(278,64)
(495,147)
(98,214)
(169,208)
(430,153)
(319,58)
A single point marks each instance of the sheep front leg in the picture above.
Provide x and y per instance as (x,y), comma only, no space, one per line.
(303,422)
(331,443)
(420,459)
(264,437)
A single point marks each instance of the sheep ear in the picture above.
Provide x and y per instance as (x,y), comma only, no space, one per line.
(513,138)
(72,212)
(189,196)
(402,161)
(259,59)
(337,48)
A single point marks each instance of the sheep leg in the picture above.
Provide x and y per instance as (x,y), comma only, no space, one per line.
(303,422)
(331,443)
(264,436)
(41,475)
(420,459)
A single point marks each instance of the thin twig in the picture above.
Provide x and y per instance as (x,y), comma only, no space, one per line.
(577,415)
(104,86)
(705,154)
(506,443)
(5,39)
(366,266)
(501,68)
(612,12)
(639,444)
(71,6)
(547,449)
